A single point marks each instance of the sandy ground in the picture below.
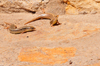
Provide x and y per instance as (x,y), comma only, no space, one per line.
(73,43)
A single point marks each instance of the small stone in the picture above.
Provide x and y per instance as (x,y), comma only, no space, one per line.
(27,36)
(70,62)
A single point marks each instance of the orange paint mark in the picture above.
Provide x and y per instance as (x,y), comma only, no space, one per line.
(46,55)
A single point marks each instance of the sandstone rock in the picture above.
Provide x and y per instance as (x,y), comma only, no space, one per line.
(55,7)
(51,6)
(71,10)
(19,6)
(86,5)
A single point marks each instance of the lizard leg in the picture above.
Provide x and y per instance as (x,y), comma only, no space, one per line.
(58,23)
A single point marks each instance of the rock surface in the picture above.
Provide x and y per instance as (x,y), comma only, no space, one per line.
(75,42)
(59,7)
(10,6)
(88,6)
(13,6)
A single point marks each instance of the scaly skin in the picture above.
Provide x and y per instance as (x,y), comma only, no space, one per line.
(53,18)
(14,30)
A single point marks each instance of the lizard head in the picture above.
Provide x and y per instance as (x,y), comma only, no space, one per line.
(54,20)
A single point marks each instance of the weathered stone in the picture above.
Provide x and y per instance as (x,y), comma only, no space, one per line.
(71,10)
(20,6)
(55,7)
(86,5)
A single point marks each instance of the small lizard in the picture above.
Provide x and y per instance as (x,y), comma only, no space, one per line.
(14,30)
(53,18)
